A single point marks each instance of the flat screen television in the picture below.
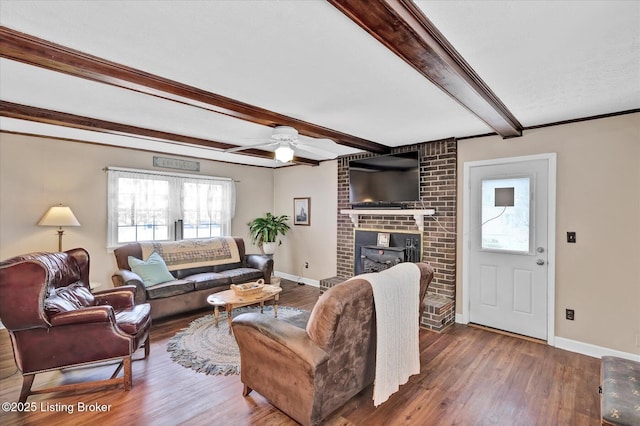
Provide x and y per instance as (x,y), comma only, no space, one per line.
(385,179)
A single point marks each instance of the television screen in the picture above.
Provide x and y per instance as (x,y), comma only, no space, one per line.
(390,178)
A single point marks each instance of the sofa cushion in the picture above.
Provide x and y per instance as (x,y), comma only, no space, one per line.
(132,320)
(242,275)
(69,298)
(168,289)
(227,266)
(152,271)
(56,305)
(183,274)
(209,280)
(187,272)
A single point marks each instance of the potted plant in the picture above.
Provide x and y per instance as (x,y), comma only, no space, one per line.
(264,231)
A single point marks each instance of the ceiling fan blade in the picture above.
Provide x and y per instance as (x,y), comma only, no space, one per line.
(314,150)
(258,145)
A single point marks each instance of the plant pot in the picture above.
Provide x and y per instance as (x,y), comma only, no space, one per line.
(269,248)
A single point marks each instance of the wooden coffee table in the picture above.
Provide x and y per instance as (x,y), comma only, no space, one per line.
(230,300)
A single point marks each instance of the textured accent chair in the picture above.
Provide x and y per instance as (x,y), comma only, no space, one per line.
(54,320)
(310,373)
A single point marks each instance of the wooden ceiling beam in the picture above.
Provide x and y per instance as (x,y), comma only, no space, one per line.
(57,118)
(402,27)
(31,50)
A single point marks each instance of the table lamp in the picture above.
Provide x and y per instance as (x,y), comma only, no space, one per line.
(59,216)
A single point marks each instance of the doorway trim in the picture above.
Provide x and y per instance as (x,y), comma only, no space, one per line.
(551,159)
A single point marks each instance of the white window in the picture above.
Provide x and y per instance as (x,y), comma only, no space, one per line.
(152,206)
(506,228)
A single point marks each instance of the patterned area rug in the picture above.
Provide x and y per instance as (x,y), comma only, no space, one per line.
(206,349)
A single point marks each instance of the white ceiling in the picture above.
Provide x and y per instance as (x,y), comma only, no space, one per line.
(547,61)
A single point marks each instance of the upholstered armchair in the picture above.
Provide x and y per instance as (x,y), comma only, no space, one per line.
(54,320)
(309,373)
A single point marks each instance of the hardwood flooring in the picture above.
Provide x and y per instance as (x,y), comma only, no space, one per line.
(469,376)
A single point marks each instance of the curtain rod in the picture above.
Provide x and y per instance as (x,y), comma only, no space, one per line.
(169,174)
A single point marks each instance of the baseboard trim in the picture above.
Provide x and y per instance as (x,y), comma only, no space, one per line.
(580,347)
(297,278)
(592,350)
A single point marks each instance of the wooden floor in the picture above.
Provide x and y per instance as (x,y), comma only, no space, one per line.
(469,376)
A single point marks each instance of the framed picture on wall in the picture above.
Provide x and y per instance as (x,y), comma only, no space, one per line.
(302,211)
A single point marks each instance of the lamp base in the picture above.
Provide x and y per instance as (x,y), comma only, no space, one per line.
(60,232)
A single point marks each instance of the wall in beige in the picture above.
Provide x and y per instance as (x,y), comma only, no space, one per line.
(316,243)
(598,197)
(36,173)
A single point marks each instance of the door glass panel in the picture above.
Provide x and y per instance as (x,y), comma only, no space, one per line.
(506,228)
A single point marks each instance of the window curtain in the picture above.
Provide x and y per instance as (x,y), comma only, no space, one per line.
(208,201)
(136,195)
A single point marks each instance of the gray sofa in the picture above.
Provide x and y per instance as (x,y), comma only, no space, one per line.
(198,272)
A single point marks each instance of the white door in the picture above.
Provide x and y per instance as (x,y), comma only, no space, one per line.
(508,247)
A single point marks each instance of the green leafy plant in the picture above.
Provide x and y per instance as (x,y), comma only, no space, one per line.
(266,229)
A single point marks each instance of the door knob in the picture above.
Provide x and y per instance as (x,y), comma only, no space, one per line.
(539,262)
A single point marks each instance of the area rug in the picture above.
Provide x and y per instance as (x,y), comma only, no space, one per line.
(206,349)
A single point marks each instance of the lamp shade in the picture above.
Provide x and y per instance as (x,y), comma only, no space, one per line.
(59,216)
(284,153)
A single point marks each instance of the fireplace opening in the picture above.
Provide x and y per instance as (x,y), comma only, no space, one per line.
(376,251)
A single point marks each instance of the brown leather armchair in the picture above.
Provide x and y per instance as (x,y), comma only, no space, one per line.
(54,320)
(310,373)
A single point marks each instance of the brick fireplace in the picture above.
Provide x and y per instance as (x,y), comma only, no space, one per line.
(371,256)
(438,161)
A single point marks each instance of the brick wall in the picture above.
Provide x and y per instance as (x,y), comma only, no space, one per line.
(438,174)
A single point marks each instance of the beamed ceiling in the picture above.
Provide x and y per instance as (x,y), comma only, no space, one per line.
(197,78)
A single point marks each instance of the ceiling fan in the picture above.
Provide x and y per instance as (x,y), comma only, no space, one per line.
(287,142)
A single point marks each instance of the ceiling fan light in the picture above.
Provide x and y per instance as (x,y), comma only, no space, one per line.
(284,153)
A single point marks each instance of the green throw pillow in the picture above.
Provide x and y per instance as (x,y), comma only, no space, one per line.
(152,271)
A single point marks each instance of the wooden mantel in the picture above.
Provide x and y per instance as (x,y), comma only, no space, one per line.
(418,214)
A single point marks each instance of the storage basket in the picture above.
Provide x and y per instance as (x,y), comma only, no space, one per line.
(248,289)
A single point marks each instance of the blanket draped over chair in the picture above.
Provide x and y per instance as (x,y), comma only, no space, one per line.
(396,294)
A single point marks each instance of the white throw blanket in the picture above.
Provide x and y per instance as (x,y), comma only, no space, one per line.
(396,294)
